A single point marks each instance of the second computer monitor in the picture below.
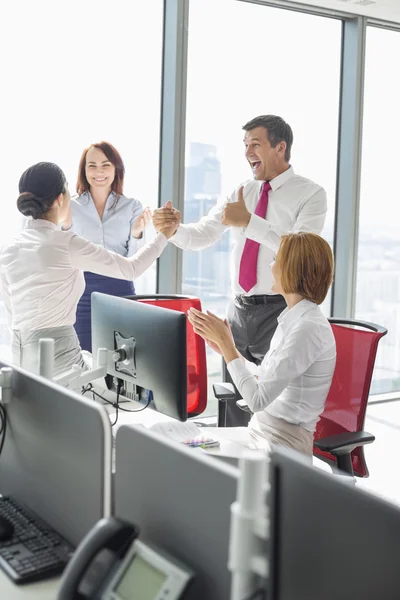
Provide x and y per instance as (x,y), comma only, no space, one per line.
(150,348)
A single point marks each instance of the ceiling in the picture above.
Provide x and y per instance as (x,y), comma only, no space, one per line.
(387,10)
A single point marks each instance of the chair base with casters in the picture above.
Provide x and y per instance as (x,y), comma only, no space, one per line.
(340,438)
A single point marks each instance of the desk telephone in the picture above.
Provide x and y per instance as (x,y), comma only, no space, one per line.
(112,564)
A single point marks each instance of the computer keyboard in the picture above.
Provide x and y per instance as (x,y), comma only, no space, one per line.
(35,550)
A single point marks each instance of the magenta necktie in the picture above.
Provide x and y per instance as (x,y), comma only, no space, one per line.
(248,262)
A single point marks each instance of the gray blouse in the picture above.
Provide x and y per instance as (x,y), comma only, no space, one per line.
(113,231)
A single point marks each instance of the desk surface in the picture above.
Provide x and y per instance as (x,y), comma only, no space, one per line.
(229,448)
(42,590)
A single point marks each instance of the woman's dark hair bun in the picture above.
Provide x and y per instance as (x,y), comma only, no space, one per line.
(39,186)
(30,205)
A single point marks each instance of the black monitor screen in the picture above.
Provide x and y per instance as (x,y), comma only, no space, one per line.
(330,541)
(152,345)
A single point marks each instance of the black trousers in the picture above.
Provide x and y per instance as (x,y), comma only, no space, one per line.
(253,321)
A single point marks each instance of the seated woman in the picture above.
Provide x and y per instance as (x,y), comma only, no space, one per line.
(289,394)
(41,271)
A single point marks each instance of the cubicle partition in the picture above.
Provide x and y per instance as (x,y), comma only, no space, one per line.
(329,540)
(181,501)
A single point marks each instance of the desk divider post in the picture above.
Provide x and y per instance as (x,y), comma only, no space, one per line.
(249,526)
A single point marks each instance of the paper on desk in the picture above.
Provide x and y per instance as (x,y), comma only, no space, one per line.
(179,432)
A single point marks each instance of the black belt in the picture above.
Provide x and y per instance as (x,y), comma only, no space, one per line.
(261,299)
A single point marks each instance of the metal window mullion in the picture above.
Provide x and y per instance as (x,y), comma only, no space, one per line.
(172,135)
(349,167)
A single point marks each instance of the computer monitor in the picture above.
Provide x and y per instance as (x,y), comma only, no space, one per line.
(329,540)
(152,349)
(181,501)
(56,458)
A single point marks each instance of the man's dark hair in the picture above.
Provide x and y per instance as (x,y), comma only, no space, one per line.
(277,131)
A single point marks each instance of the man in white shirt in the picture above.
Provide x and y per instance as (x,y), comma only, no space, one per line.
(275,202)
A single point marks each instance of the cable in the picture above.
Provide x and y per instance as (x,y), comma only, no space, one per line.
(3,426)
(119,386)
(94,393)
(116,405)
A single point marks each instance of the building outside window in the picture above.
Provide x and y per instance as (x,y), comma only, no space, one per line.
(73,76)
(378,272)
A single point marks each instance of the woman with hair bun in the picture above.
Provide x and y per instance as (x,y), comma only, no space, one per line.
(41,271)
(102,214)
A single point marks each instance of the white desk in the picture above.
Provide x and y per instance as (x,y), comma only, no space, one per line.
(228,449)
(42,590)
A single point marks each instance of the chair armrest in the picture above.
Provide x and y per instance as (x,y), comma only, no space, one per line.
(344,443)
(243,406)
(224,391)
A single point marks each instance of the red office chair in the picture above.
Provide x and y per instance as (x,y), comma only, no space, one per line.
(339,438)
(195,349)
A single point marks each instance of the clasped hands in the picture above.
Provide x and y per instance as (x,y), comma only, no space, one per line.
(166,219)
(215,331)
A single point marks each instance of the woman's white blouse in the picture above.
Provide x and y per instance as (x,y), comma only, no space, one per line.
(295,376)
(41,273)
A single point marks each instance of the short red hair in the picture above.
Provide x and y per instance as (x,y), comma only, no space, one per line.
(115,159)
(306,264)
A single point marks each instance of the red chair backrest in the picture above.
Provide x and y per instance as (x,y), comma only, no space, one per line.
(195,350)
(346,403)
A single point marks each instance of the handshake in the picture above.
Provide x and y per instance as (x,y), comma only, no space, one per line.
(166,219)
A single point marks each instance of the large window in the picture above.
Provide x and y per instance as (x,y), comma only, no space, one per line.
(378,274)
(245,60)
(73,74)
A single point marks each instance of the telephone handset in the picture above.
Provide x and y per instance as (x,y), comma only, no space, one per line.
(111,564)
(104,546)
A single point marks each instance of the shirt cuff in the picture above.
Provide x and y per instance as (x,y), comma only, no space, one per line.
(135,244)
(180,237)
(237,369)
(257,228)
(161,241)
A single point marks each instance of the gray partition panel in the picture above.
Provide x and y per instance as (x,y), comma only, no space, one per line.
(329,540)
(56,459)
(181,501)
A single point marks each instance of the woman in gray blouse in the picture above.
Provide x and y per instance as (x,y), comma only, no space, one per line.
(104,216)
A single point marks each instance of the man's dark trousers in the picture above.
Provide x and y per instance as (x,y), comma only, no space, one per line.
(253,321)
